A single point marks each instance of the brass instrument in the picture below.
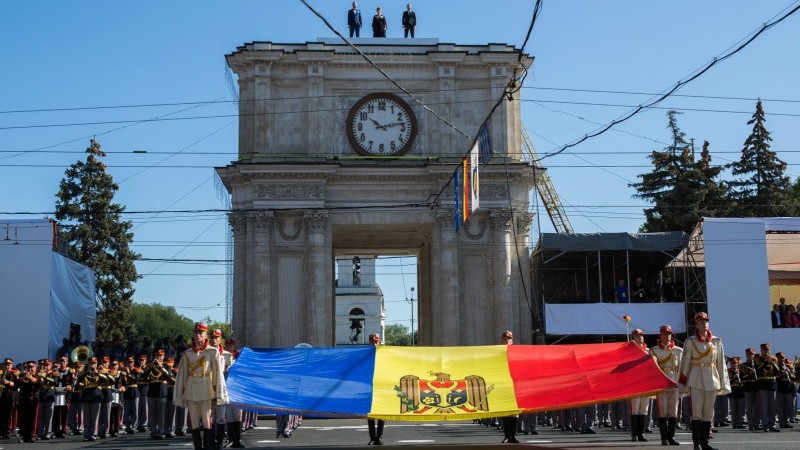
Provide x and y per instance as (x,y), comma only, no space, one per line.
(81,354)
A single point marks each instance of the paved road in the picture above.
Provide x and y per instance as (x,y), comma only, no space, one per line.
(351,433)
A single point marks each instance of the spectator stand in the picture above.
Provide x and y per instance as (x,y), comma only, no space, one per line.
(574,277)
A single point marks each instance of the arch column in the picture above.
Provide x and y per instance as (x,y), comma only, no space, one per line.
(261,224)
(320,300)
(238,224)
(501,221)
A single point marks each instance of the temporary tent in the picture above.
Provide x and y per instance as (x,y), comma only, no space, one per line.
(42,291)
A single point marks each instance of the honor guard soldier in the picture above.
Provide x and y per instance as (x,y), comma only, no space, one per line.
(106,385)
(639,405)
(156,377)
(736,397)
(375,433)
(668,357)
(704,373)
(26,402)
(234,415)
(767,373)
(784,399)
(129,379)
(47,397)
(8,380)
(91,396)
(752,404)
(199,382)
(220,411)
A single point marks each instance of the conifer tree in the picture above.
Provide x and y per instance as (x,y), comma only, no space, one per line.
(761,187)
(100,239)
(681,189)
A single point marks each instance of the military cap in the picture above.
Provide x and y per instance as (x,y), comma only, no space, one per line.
(637,331)
(93,359)
(230,341)
(217,333)
(374,337)
(200,326)
(700,316)
(665,329)
(507,334)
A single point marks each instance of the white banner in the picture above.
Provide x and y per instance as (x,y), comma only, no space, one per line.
(607,318)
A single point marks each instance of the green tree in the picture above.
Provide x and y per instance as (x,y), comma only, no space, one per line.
(399,335)
(99,238)
(159,322)
(680,188)
(761,187)
(213,325)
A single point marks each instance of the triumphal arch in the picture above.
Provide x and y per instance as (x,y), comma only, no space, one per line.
(335,160)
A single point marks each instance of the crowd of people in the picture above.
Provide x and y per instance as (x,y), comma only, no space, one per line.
(785,315)
(379,24)
(124,391)
(666,290)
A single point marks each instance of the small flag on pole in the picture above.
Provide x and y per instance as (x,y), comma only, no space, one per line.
(484,143)
(474,192)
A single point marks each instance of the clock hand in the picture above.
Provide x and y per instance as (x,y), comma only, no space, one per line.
(377,124)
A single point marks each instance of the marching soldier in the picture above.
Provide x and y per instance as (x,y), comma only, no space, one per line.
(752,404)
(639,405)
(129,379)
(375,433)
(89,382)
(8,380)
(736,396)
(220,411)
(156,377)
(668,357)
(26,402)
(703,372)
(106,384)
(767,372)
(784,398)
(47,398)
(65,379)
(199,383)
(117,390)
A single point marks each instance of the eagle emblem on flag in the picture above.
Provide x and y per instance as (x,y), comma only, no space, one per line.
(442,395)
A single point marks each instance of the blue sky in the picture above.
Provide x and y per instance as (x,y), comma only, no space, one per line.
(89,54)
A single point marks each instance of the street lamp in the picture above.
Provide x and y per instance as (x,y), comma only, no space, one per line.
(411,301)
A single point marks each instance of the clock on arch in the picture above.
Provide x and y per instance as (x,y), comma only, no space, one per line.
(381,124)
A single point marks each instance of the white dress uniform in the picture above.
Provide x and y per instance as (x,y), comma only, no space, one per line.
(668,359)
(703,371)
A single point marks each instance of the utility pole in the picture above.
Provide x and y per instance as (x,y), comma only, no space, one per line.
(411,301)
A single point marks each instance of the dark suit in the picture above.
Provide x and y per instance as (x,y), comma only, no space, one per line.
(409,22)
(777,319)
(354,22)
(379,26)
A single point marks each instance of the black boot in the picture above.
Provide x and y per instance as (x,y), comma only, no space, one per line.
(371,426)
(235,434)
(219,436)
(208,439)
(634,425)
(379,433)
(696,434)
(197,439)
(706,430)
(672,423)
(640,432)
(662,430)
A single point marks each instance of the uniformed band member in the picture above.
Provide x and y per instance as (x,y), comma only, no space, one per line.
(704,373)
(156,376)
(142,388)
(169,420)
(75,408)
(510,422)
(28,384)
(199,382)
(65,379)
(638,405)
(129,379)
(752,404)
(91,396)
(47,397)
(668,357)
(736,397)
(117,389)
(375,432)
(8,380)
(767,373)
(784,399)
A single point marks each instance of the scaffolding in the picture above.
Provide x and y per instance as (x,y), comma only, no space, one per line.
(546,190)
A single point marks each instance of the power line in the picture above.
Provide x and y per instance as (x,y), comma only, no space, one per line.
(677,86)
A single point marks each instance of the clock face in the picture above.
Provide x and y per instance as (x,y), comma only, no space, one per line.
(381,125)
